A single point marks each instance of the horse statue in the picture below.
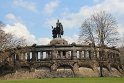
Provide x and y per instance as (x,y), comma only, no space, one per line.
(58,30)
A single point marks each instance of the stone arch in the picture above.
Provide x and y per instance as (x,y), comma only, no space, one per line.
(65,66)
(87,71)
(87,66)
(65,70)
(24,68)
(43,68)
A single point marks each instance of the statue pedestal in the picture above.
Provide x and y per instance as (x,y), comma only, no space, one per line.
(58,41)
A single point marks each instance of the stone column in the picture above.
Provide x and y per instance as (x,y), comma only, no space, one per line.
(90,54)
(69,54)
(41,55)
(23,56)
(34,56)
(74,54)
(53,54)
(17,57)
(87,54)
(93,54)
(80,54)
(84,54)
(28,56)
(49,55)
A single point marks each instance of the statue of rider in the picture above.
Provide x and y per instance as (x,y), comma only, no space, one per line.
(58,30)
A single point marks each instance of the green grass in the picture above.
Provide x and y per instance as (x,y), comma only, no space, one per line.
(68,80)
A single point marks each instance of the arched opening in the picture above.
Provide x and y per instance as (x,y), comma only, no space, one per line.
(24,68)
(65,71)
(87,71)
(43,68)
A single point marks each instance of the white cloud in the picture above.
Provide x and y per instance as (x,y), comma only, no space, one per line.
(20,31)
(74,20)
(25,4)
(51,6)
(69,20)
(43,41)
(12,17)
(71,39)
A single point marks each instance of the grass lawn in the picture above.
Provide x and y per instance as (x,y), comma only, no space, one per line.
(68,80)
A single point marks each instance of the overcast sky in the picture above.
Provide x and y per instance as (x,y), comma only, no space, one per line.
(32,19)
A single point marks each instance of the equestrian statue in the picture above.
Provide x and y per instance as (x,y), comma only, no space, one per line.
(58,30)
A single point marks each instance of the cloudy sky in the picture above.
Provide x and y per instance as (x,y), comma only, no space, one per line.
(32,19)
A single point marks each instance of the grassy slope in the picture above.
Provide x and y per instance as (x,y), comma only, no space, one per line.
(68,80)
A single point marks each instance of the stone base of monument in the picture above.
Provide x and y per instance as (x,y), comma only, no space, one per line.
(58,41)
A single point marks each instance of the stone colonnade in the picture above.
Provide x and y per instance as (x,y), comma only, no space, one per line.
(67,52)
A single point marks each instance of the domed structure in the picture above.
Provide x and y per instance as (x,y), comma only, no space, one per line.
(58,41)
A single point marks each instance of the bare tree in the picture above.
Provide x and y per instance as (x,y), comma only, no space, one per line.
(100,28)
(87,32)
(8,40)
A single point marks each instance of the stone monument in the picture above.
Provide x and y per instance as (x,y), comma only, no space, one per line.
(57,33)
(60,59)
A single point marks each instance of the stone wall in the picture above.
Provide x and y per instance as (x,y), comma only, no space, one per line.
(60,59)
(83,72)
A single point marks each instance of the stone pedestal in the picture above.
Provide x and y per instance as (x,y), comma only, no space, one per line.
(58,41)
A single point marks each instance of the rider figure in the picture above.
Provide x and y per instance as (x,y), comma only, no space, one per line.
(58,24)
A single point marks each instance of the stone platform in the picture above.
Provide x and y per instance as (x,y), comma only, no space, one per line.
(58,41)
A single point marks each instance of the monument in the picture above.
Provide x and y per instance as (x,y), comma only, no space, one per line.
(57,33)
(60,59)
(58,30)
